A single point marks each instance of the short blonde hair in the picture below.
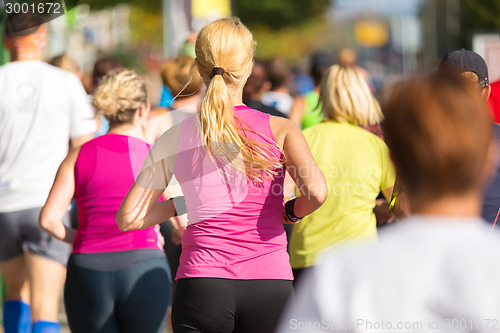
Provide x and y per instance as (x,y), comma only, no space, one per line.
(119,95)
(346,97)
(180,75)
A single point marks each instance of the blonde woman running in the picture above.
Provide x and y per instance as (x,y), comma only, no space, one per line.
(356,165)
(116,281)
(230,161)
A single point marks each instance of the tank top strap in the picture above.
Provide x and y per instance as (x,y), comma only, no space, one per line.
(255,120)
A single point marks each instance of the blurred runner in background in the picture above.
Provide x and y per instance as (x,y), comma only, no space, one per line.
(472,66)
(356,165)
(438,269)
(306,109)
(42,110)
(280,76)
(256,85)
(117,281)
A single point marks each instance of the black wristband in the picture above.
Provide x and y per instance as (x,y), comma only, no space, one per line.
(180,205)
(290,215)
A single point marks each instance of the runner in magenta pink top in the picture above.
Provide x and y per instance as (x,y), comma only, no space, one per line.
(106,163)
(116,281)
(244,241)
(230,160)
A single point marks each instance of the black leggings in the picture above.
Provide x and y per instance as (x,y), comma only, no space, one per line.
(133,299)
(226,305)
(298,275)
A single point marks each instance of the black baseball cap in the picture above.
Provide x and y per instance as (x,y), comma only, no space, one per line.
(467,61)
(22,24)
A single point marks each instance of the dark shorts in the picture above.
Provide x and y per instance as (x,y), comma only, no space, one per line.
(226,305)
(20,232)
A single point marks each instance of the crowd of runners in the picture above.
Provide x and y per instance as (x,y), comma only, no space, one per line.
(240,201)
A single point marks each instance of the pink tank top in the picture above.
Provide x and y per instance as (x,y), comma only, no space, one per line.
(104,173)
(235,228)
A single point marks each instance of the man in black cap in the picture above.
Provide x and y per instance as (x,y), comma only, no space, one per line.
(472,66)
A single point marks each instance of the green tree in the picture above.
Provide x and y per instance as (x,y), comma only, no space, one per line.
(287,28)
(278,14)
(149,5)
(478,15)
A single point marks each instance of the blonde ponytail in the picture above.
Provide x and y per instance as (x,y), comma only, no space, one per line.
(224,52)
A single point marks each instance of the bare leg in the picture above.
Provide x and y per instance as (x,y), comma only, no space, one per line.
(17,316)
(47,279)
(16,279)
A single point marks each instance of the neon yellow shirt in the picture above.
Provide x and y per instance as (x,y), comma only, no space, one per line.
(357,166)
(312,114)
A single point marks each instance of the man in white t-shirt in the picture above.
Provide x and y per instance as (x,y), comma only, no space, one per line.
(43,111)
(439,269)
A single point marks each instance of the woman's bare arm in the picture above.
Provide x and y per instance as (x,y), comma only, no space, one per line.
(303,169)
(301,166)
(59,199)
(141,209)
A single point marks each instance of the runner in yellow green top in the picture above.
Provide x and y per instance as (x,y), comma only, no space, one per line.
(356,165)
(312,115)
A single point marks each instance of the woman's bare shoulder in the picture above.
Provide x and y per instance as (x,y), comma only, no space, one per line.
(281,127)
